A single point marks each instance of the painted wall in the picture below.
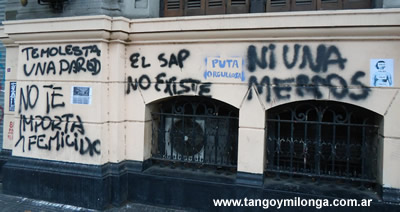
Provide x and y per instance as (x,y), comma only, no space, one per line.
(124,66)
(52,114)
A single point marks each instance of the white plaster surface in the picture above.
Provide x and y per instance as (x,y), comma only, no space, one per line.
(251,150)
(391,160)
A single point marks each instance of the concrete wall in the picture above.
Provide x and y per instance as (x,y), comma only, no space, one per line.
(116,125)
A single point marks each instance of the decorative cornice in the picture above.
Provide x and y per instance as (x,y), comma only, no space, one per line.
(303,19)
(370,24)
(295,34)
(75,29)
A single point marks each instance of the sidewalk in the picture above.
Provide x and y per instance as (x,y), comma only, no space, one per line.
(20,204)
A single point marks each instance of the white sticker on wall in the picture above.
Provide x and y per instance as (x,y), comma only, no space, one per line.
(381,72)
(81,95)
(13,94)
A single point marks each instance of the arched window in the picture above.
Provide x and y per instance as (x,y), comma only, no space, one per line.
(195,131)
(323,140)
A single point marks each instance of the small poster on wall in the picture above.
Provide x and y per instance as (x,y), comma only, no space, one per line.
(13,94)
(81,95)
(381,72)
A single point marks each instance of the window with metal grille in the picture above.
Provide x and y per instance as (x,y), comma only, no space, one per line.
(195,131)
(323,140)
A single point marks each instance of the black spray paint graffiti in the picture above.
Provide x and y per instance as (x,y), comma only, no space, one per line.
(85,60)
(62,127)
(29,97)
(177,59)
(309,86)
(169,85)
(327,56)
(161,83)
(66,130)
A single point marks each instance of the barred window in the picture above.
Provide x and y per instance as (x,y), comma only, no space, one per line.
(196,132)
(323,140)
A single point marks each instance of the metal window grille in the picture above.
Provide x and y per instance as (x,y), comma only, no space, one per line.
(323,140)
(195,131)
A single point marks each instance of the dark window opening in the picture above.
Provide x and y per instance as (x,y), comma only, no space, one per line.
(323,141)
(195,132)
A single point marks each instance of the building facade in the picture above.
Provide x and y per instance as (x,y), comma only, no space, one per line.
(178,111)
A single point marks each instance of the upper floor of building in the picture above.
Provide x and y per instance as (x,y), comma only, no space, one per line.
(32,9)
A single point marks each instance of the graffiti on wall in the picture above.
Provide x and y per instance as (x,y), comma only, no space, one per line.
(171,85)
(316,68)
(85,59)
(317,62)
(11,130)
(54,132)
